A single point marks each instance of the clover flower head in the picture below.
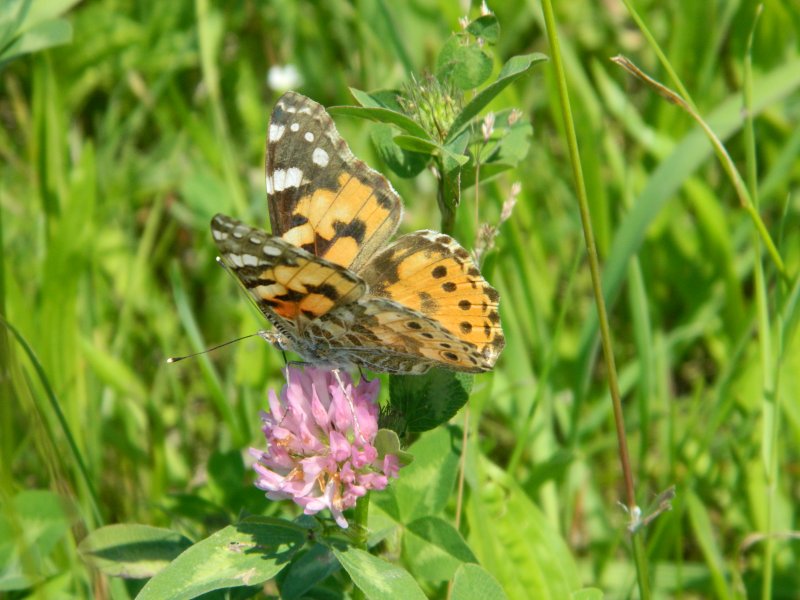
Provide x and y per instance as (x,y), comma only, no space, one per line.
(320,433)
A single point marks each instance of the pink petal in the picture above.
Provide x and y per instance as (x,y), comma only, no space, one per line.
(391,465)
(340,447)
(319,412)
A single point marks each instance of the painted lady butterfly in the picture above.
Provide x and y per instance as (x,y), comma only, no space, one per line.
(326,279)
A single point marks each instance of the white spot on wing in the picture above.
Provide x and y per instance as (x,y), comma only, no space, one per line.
(270,187)
(286,178)
(276,132)
(295,126)
(236,260)
(249,260)
(320,157)
(220,235)
(239,231)
(277,179)
(271,251)
(309,136)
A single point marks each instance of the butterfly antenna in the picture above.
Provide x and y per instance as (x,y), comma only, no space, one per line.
(174,359)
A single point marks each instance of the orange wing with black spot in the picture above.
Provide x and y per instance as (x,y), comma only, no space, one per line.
(321,197)
(430,273)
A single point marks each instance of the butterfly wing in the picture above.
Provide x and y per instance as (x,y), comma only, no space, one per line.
(326,278)
(321,197)
(429,273)
(385,336)
(289,285)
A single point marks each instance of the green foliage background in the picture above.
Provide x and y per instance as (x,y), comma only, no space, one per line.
(118,146)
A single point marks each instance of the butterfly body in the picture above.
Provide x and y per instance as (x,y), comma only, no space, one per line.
(327,278)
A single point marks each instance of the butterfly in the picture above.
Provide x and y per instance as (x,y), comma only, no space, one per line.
(336,290)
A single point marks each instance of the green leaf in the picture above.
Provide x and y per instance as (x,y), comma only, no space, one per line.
(424,486)
(377,578)
(32,525)
(515,140)
(229,483)
(434,549)
(473,582)
(427,401)
(588,594)
(31,23)
(132,551)
(521,548)
(44,35)
(382,115)
(467,65)
(511,146)
(36,11)
(246,554)
(415,144)
(403,162)
(387,442)
(515,67)
(486,27)
(458,144)
(419,145)
(195,508)
(114,372)
(706,536)
(380,99)
(306,571)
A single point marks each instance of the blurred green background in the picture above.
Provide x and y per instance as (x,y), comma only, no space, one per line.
(117,146)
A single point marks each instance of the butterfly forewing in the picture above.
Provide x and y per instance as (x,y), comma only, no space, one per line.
(285,281)
(322,198)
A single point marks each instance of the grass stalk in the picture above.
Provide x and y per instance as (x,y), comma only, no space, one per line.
(83,472)
(656,48)
(523,438)
(769,370)
(722,154)
(594,266)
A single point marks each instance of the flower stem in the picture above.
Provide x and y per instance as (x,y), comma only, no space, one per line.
(360,522)
(594,266)
(361,515)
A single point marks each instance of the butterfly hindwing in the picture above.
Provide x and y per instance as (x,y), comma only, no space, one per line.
(385,336)
(321,197)
(430,273)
